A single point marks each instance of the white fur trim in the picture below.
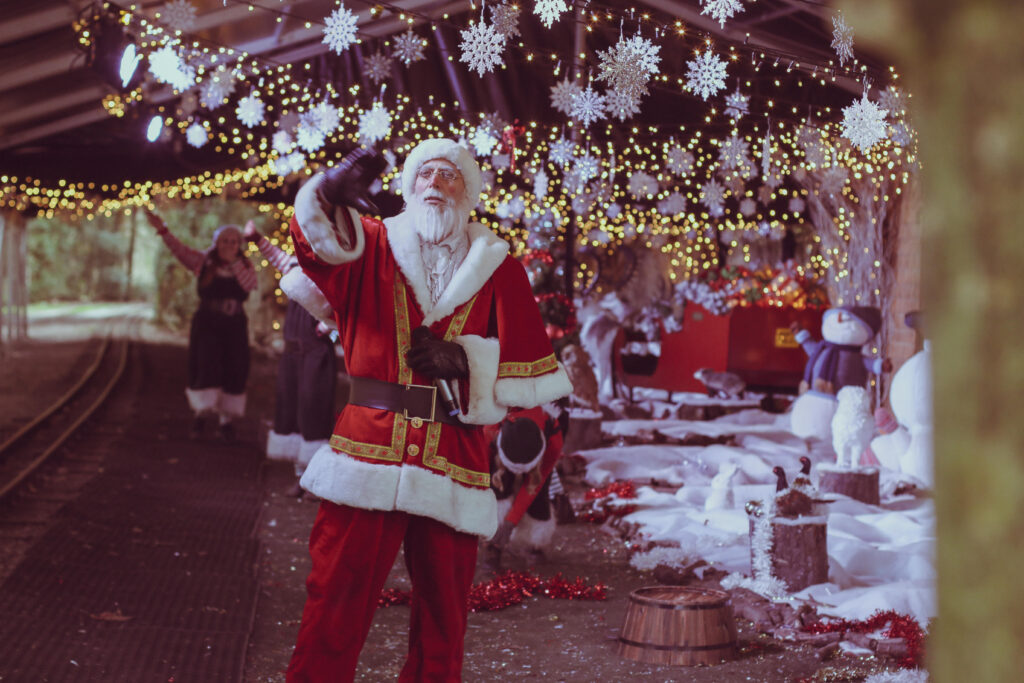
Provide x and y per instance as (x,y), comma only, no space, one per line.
(231,404)
(528,392)
(443,148)
(340,479)
(283,446)
(521,468)
(487,251)
(297,286)
(318,228)
(529,532)
(482,354)
(307,449)
(203,400)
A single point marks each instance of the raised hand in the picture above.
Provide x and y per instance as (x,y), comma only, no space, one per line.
(348,182)
(154,220)
(250,233)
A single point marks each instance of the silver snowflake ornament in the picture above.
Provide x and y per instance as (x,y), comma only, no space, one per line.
(893,101)
(505,18)
(540,184)
(679,161)
(672,205)
(629,64)
(864,123)
(588,106)
(340,29)
(642,185)
(375,123)
(587,167)
(621,104)
(250,110)
(748,207)
(481,47)
(733,152)
(178,15)
(842,38)
(325,117)
(196,135)
(562,95)
(721,9)
(712,195)
(483,140)
(549,10)
(561,151)
(409,47)
(901,134)
(282,142)
(832,180)
(377,67)
(291,163)
(737,105)
(167,66)
(705,74)
(308,134)
(217,88)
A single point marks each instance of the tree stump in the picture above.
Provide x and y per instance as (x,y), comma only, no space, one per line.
(584,431)
(798,551)
(860,483)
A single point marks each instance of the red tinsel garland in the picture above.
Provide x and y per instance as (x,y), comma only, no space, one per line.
(621,489)
(600,499)
(900,626)
(511,588)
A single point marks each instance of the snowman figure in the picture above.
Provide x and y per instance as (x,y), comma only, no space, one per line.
(908,447)
(834,362)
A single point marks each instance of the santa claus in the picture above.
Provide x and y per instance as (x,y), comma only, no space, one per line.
(427,303)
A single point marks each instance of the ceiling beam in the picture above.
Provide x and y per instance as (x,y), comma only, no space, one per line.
(40,21)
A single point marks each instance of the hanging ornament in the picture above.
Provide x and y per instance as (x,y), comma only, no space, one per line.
(864,123)
(325,117)
(340,29)
(588,106)
(217,88)
(178,15)
(481,47)
(540,184)
(282,142)
(561,151)
(642,185)
(721,9)
(505,18)
(375,123)
(562,95)
(509,137)
(167,66)
(587,167)
(629,64)
(712,195)
(409,47)
(901,134)
(733,152)
(833,180)
(377,67)
(291,163)
(308,134)
(679,161)
(748,207)
(613,211)
(797,205)
(893,101)
(483,140)
(705,75)
(842,38)
(196,135)
(737,105)
(549,10)
(621,104)
(766,151)
(672,205)
(250,110)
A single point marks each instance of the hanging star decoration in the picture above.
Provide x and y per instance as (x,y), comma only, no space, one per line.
(167,66)
(375,123)
(721,9)
(340,29)
(549,10)
(505,18)
(562,95)
(250,110)
(481,47)
(588,106)
(679,161)
(737,105)
(842,38)
(217,87)
(409,47)
(705,74)
(377,67)
(196,135)
(864,123)
(178,15)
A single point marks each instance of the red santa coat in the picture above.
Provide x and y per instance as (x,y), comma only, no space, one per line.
(378,459)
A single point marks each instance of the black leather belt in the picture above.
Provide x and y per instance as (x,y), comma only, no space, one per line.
(411,400)
(222,306)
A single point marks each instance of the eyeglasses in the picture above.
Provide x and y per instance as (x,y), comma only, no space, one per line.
(447,174)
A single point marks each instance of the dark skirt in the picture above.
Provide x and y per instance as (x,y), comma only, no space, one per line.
(306,376)
(218,352)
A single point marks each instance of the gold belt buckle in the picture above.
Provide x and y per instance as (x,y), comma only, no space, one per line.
(433,402)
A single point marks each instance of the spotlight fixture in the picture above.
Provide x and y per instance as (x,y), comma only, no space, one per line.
(113,55)
(155,128)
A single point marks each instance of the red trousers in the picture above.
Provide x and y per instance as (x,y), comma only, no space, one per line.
(353,551)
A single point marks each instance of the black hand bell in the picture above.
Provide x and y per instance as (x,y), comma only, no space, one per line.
(348,182)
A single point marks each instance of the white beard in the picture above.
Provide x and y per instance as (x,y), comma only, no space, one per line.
(435,223)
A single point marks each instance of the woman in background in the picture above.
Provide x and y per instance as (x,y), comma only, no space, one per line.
(218,344)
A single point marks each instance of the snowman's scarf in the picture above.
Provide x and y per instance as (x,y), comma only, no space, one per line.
(829,354)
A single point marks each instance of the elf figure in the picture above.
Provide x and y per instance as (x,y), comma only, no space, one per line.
(524,450)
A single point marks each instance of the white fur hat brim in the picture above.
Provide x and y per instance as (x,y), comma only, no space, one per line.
(443,148)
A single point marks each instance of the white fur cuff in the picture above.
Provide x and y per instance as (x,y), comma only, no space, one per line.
(482,354)
(299,288)
(319,229)
(528,392)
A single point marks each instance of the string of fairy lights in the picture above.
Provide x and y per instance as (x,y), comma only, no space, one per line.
(633,195)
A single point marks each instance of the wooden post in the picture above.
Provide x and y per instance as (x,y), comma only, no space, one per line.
(860,483)
(798,551)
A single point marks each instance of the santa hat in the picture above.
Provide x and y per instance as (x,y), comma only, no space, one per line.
(521,445)
(443,148)
(869,315)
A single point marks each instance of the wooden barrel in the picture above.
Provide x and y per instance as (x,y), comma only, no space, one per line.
(678,625)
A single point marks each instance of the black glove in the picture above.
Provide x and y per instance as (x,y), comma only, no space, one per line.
(348,182)
(435,357)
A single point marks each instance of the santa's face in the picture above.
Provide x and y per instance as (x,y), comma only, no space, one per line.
(840,327)
(439,205)
(228,244)
(438,181)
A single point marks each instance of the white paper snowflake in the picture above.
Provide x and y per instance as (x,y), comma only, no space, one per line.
(562,95)
(375,123)
(629,64)
(217,88)
(642,185)
(864,123)
(481,47)
(679,161)
(672,205)
(621,104)
(409,47)
(325,117)
(549,10)
(797,205)
(901,133)
(483,140)
(748,207)
(291,163)
(308,134)
(737,105)
(587,167)
(505,18)
(842,38)
(250,110)
(832,180)
(167,66)
(561,151)
(196,135)
(178,15)
(613,211)
(588,106)
(282,142)
(733,152)
(705,74)
(377,67)
(540,184)
(893,101)
(721,9)
(340,29)
(712,195)
(582,203)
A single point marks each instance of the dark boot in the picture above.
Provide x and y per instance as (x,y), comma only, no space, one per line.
(227,432)
(198,427)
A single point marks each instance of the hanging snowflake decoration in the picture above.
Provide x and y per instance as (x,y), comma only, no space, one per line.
(642,185)
(901,134)
(766,152)
(672,205)
(561,151)
(832,180)
(737,105)
(196,135)
(282,142)
(178,15)
(712,195)
(721,9)
(167,66)
(613,211)
(587,106)
(549,10)
(325,117)
(864,123)
(893,101)
(705,74)
(587,167)
(481,47)
(483,140)
(621,104)
(842,38)
(562,95)
(765,195)
(340,29)
(734,182)
(679,161)
(748,207)
(375,123)
(505,18)
(629,64)
(540,184)
(291,163)
(572,183)
(409,47)
(217,88)
(377,67)
(250,110)
(733,152)
(582,203)
(797,205)
(308,134)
